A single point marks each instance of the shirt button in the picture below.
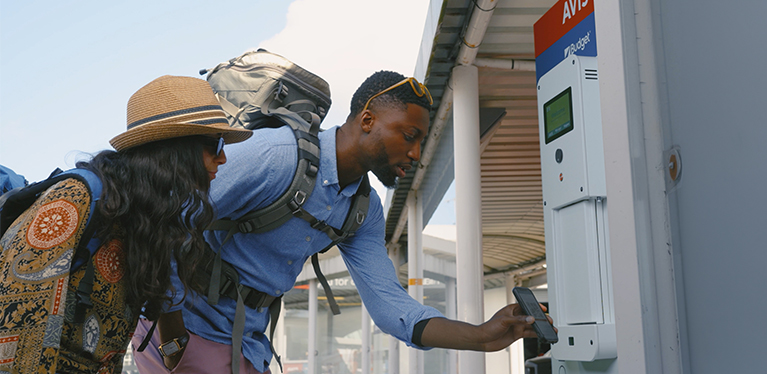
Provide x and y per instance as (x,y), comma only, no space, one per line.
(290,262)
(325,181)
(330,207)
(277,292)
(308,238)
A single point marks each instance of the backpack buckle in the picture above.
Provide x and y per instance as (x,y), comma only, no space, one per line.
(245,226)
(318,223)
(360,217)
(300,197)
(311,170)
(298,200)
(224,288)
(281,92)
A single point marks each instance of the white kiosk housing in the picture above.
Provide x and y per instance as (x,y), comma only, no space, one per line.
(575,211)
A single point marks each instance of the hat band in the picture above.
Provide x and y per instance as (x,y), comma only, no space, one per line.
(202,115)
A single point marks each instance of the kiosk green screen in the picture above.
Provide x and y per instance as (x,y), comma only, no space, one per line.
(558,115)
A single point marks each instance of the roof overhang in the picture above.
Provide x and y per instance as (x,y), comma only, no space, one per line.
(512,209)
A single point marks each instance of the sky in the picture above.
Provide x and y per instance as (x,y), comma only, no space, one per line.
(67,71)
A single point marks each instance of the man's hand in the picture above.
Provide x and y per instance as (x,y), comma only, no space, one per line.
(505,327)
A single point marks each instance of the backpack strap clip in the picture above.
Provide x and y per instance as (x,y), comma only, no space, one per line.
(245,226)
(295,204)
(299,198)
(311,170)
(318,224)
(360,217)
(281,92)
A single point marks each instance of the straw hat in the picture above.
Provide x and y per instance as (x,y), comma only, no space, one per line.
(172,107)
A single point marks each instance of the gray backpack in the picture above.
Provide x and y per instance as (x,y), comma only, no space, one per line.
(260,89)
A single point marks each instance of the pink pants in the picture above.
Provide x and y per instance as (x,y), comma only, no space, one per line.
(200,355)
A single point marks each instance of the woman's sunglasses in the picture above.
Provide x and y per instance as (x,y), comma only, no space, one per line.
(218,144)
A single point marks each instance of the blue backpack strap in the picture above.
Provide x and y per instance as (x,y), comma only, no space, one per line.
(10,180)
(88,244)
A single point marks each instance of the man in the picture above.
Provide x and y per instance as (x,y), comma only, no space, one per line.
(389,118)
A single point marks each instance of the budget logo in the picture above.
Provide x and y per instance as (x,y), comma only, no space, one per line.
(579,45)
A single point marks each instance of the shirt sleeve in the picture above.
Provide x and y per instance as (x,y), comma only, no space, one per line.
(177,295)
(390,306)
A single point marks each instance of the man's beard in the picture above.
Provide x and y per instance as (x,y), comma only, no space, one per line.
(383,170)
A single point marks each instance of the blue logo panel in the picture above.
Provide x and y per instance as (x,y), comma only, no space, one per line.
(580,40)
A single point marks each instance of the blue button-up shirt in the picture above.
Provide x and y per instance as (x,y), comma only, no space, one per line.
(258,172)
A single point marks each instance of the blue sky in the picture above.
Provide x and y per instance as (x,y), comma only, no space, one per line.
(67,70)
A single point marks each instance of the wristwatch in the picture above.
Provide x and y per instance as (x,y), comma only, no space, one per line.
(174,346)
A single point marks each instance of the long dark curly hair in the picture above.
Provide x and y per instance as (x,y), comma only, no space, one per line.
(155,201)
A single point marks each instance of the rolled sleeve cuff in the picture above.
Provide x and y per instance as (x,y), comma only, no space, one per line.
(422,316)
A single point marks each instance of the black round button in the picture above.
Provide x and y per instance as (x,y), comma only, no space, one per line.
(558,155)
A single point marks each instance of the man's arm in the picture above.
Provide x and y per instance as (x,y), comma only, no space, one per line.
(505,327)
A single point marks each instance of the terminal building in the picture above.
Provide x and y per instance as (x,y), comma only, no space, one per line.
(608,155)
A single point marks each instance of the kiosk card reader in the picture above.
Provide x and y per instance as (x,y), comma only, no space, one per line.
(575,211)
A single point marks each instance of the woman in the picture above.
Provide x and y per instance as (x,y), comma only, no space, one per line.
(152,211)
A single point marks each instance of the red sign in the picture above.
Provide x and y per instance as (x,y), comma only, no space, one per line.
(560,19)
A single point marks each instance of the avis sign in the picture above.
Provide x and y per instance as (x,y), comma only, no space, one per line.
(571,7)
(567,28)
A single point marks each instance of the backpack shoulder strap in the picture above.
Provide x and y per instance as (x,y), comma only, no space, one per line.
(354,219)
(286,206)
(356,216)
(88,244)
(18,200)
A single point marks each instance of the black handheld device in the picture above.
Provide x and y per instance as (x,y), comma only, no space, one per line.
(530,306)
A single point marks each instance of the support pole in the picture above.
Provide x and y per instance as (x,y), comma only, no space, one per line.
(415,266)
(366,337)
(468,208)
(517,349)
(451,313)
(330,341)
(312,349)
(282,340)
(393,362)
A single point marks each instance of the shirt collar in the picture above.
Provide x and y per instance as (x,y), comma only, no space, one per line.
(329,164)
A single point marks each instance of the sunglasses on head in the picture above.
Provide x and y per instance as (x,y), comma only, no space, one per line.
(418,88)
(218,144)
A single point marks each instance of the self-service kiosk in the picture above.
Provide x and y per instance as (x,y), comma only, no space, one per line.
(574,190)
(575,211)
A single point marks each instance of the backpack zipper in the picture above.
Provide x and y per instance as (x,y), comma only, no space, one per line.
(291,77)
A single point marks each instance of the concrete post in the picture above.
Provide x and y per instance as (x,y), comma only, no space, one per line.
(280,339)
(312,338)
(451,313)
(415,265)
(366,337)
(394,343)
(468,208)
(517,349)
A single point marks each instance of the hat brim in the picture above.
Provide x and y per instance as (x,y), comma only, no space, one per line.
(162,131)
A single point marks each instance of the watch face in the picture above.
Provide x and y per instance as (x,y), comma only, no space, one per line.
(170,348)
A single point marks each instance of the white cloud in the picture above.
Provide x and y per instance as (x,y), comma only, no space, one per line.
(345,41)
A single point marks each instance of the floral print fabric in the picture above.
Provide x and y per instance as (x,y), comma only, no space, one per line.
(38,292)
